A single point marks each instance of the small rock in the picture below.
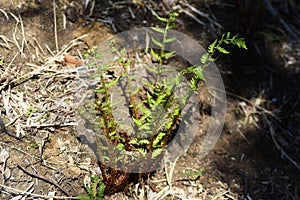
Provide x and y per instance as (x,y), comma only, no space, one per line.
(73,171)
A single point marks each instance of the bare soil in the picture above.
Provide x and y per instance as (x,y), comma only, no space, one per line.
(36,86)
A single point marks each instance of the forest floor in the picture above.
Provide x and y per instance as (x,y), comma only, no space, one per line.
(256,157)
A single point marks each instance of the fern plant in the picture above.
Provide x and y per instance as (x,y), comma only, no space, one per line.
(158,114)
(154,108)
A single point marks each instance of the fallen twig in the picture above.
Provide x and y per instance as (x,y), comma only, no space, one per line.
(4,13)
(272,132)
(55,26)
(44,179)
(3,129)
(32,194)
(20,47)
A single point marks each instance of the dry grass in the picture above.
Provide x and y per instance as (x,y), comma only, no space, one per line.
(37,98)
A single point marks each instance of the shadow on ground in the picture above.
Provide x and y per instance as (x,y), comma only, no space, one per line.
(258,152)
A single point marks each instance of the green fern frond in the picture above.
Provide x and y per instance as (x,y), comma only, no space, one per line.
(162,19)
(158,139)
(169,40)
(212,46)
(157,29)
(155,55)
(168,54)
(222,50)
(152,69)
(145,127)
(156,152)
(140,141)
(156,42)
(112,83)
(240,42)
(143,151)
(137,122)
(169,27)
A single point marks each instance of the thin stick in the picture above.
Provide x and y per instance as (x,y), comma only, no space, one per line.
(169,173)
(52,125)
(19,20)
(49,50)
(10,63)
(92,8)
(6,45)
(55,26)
(5,14)
(15,38)
(272,131)
(20,80)
(44,179)
(40,47)
(205,15)
(34,195)
(253,104)
(71,44)
(23,36)
(15,17)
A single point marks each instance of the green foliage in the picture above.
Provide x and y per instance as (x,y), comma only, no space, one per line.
(209,57)
(161,44)
(90,52)
(95,191)
(227,39)
(158,111)
(196,175)
(155,110)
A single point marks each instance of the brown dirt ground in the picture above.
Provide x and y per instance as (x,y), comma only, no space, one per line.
(36,102)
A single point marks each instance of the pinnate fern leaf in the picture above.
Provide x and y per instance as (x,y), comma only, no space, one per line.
(159,30)
(159,44)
